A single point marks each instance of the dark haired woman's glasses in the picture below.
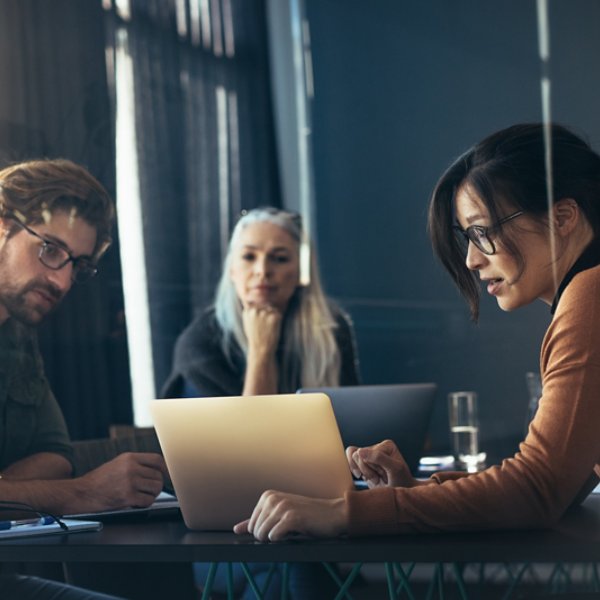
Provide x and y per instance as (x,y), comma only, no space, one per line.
(480,235)
(55,257)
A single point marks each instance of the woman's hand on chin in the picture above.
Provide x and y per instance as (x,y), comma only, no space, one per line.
(262,326)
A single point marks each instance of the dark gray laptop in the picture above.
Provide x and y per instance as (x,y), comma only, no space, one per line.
(369,414)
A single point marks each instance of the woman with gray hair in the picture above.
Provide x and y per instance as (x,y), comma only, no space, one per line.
(271,329)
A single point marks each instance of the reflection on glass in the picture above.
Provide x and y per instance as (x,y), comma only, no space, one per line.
(130,225)
(534,388)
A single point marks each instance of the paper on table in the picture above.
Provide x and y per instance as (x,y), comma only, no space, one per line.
(163,502)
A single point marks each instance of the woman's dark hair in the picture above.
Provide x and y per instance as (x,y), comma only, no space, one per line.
(507,171)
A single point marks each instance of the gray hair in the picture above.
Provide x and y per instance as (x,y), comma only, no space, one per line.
(311,355)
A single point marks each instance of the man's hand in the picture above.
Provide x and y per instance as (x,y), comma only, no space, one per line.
(130,479)
(381,465)
(278,515)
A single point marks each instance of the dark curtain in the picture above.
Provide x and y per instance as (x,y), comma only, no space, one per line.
(54,102)
(205,143)
(203,155)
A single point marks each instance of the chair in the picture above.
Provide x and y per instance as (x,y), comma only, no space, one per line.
(136,581)
(89,454)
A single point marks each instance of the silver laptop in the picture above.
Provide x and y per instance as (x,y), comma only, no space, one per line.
(369,414)
(222,453)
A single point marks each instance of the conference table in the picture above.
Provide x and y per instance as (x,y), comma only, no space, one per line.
(576,538)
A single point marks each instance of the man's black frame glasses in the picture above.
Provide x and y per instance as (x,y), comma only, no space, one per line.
(55,257)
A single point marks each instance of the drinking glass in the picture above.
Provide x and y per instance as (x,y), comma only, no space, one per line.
(464,430)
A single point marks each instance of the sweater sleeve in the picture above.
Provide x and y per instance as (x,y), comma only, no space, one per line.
(535,487)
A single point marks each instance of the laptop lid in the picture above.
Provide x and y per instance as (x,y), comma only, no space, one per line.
(369,414)
(222,453)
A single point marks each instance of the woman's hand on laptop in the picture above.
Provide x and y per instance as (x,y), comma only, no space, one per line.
(381,465)
(278,515)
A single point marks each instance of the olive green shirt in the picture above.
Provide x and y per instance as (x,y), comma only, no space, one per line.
(31,420)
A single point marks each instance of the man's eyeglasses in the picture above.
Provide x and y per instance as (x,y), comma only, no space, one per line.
(480,235)
(55,257)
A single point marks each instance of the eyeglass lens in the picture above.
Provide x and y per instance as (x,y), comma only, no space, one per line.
(479,236)
(476,234)
(54,257)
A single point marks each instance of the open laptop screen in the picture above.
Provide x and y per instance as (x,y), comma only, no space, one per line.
(222,453)
(369,414)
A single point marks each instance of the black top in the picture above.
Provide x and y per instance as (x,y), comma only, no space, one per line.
(589,258)
(199,359)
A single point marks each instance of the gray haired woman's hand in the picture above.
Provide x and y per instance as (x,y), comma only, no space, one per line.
(262,326)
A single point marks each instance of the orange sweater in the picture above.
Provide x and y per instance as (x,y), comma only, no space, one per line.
(555,464)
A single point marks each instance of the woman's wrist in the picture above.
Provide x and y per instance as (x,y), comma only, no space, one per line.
(262,355)
(340,507)
(261,375)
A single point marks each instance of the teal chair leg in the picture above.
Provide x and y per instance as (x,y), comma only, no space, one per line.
(404,580)
(515,580)
(285,580)
(391,580)
(251,581)
(596,577)
(437,580)
(343,592)
(209,581)
(229,581)
(460,582)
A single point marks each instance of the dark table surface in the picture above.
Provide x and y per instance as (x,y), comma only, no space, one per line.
(575,538)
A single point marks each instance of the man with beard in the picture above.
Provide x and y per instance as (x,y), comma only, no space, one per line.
(55,222)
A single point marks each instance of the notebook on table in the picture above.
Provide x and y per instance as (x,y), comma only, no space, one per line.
(369,414)
(164,505)
(222,453)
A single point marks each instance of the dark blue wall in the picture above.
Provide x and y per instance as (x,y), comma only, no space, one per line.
(401,88)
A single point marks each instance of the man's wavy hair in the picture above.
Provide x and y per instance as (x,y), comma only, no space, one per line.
(33,191)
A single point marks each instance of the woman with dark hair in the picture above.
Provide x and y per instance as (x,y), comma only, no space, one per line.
(492,219)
